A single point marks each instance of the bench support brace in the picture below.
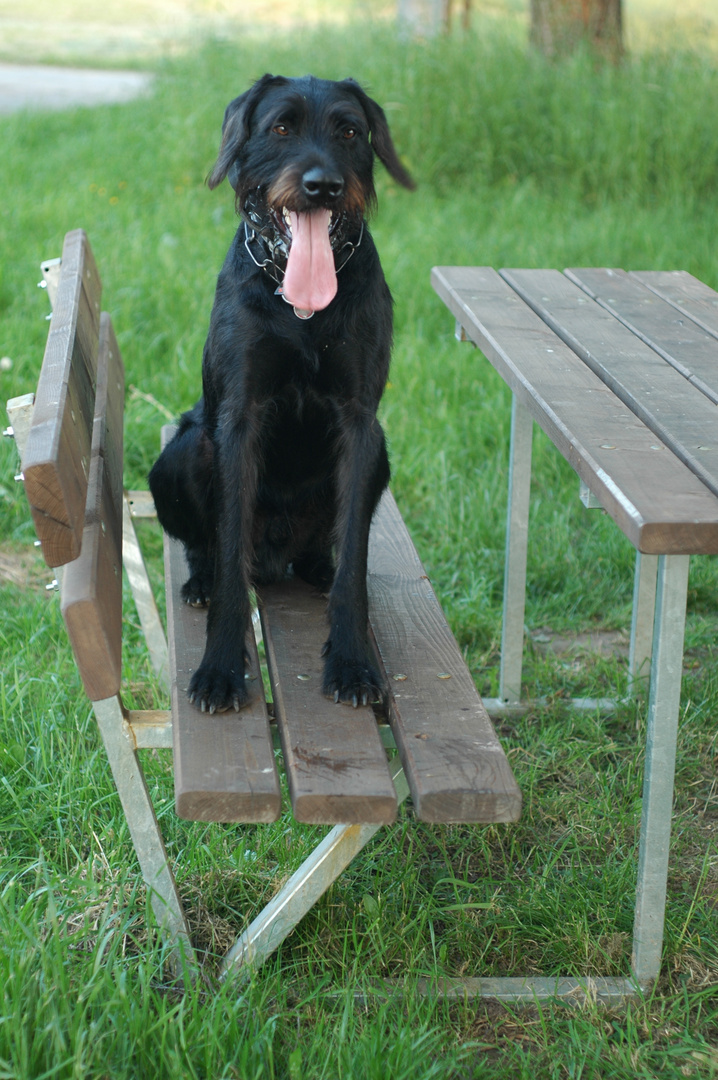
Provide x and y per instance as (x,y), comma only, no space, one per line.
(517,529)
(663,713)
(657,632)
(138,578)
(145,831)
(644,606)
(299,894)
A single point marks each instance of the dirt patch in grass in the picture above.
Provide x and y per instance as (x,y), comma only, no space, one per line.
(599,642)
(23,567)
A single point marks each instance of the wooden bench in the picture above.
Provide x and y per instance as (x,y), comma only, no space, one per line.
(449,758)
(621,372)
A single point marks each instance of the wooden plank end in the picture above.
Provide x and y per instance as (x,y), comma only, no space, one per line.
(455,807)
(228,807)
(332,809)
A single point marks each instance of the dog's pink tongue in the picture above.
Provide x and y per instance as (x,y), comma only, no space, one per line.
(310,280)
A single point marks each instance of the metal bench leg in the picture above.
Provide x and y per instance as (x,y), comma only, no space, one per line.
(328,860)
(663,710)
(517,524)
(644,606)
(145,831)
(144,598)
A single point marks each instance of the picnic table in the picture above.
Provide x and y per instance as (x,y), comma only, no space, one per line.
(621,372)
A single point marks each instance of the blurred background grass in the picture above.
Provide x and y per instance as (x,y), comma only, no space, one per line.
(520,162)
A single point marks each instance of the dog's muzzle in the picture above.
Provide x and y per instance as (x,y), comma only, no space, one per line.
(268,239)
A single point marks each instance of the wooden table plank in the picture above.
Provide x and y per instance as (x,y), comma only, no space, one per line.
(696,300)
(335,761)
(56,462)
(455,766)
(660,505)
(224,763)
(682,417)
(679,340)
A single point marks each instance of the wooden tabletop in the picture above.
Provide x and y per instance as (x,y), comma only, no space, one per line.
(621,372)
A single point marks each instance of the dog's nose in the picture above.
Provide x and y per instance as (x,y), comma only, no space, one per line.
(317,183)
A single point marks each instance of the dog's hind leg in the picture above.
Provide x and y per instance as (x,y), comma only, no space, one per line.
(182,488)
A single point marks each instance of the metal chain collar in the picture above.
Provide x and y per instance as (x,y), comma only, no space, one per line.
(267,242)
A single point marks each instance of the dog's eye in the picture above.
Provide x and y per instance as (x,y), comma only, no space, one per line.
(280,129)
(349,133)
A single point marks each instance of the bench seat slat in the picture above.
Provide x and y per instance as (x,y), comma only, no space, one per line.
(632,370)
(92,584)
(224,764)
(57,457)
(660,505)
(335,761)
(455,766)
(680,341)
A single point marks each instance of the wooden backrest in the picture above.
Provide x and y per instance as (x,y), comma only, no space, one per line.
(72,466)
(56,463)
(92,583)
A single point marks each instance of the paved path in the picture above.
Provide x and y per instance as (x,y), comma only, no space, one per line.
(38,87)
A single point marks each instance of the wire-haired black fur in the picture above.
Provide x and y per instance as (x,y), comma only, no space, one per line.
(282,461)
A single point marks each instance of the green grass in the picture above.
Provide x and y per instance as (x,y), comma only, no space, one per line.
(519,164)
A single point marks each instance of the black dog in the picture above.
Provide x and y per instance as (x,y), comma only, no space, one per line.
(283,460)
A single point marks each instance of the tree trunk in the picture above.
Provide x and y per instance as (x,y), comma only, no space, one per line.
(558,27)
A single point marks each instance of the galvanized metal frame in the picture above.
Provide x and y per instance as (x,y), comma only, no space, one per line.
(517,533)
(642,623)
(661,738)
(657,638)
(142,822)
(144,598)
(328,860)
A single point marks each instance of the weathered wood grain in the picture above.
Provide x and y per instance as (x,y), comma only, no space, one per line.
(689,295)
(335,761)
(91,598)
(675,410)
(455,766)
(659,503)
(680,341)
(57,458)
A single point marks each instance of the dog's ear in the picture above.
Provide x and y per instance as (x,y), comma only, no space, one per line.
(235,131)
(381,140)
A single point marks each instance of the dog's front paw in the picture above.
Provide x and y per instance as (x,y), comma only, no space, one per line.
(197,589)
(350,680)
(215,689)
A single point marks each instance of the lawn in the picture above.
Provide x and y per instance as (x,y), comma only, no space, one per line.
(519,163)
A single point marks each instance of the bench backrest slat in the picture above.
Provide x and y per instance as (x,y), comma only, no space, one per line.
(57,457)
(92,583)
